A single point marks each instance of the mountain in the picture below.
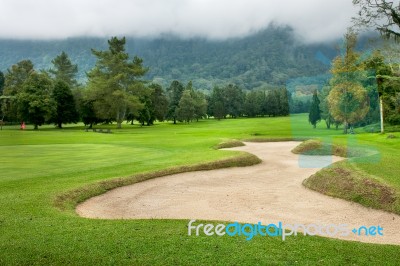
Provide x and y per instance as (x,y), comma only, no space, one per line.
(266,58)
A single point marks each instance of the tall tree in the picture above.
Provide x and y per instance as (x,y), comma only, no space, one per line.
(233,100)
(35,103)
(160,102)
(113,82)
(324,106)
(253,103)
(272,103)
(2,81)
(315,113)
(284,99)
(64,70)
(217,104)
(65,111)
(186,110)
(175,91)
(15,78)
(348,100)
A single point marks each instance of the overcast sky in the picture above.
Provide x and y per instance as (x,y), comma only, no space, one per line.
(313,20)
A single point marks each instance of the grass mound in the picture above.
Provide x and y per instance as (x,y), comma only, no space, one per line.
(229,144)
(269,139)
(349,183)
(68,201)
(317,147)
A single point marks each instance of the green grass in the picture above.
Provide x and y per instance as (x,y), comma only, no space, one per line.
(39,168)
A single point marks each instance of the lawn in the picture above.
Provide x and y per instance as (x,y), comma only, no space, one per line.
(38,166)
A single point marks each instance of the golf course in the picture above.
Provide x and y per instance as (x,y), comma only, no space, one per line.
(47,173)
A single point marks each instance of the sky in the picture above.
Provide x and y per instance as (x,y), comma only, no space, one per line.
(312,20)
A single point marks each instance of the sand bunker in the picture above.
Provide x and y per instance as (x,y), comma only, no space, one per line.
(269,192)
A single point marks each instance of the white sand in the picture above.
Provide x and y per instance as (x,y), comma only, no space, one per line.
(268,192)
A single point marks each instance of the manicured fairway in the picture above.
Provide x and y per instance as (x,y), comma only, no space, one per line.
(35,167)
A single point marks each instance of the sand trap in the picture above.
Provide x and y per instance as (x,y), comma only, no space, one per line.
(268,192)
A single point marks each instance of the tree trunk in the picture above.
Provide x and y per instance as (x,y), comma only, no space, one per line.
(119,124)
(35,127)
(59,125)
(381,113)
(174,120)
(345,128)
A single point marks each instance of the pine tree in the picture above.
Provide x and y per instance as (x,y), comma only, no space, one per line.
(65,111)
(315,113)
(113,82)
(175,92)
(186,110)
(64,70)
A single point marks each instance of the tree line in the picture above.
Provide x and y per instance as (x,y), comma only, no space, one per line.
(117,92)
(361,91)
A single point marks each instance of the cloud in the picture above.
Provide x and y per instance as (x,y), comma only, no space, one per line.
(313,20)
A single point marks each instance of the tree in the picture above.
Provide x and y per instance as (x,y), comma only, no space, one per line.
(87,111)
(272,103)
(15,78)
(382,74)
(155,105)
(233,100)
(199,104)
(64,70)
(348,100)
(315,113)
(348,103)
(186,110)
(35,104)
(253,103)
(284,102)
(381,14)
(113,82)
(325,114)
(65,111)
(2,81)
(175,91)
(217,104)
(160,102)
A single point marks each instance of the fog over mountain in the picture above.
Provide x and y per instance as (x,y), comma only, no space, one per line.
(312,20)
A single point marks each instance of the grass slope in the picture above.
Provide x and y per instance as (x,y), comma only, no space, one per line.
(39,167)
(357,179)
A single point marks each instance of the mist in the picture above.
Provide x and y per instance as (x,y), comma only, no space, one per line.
(312,20)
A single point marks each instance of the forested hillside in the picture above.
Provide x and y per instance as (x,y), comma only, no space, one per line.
(269,57)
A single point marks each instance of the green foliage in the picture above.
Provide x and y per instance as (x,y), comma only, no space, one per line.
(315,113)
(65,111)
(155,105)
(348,99)
(254,103)
(186,111)
(216,104)
(175,91)
(64,70)
(113,82)
(266,58)
(233,100)
(34,102)
(159,101)
(2,81)
(15,79)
